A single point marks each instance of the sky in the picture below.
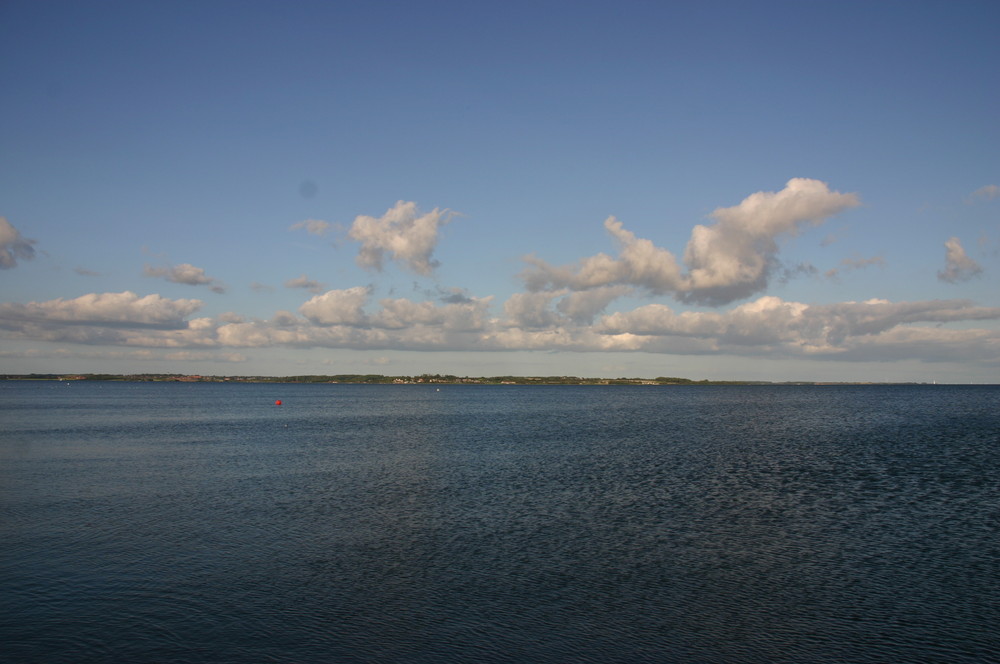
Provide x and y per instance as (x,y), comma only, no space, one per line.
(711,190)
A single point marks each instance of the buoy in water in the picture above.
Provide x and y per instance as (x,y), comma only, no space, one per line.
(278,402)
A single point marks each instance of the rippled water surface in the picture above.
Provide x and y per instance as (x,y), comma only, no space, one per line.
(201,523)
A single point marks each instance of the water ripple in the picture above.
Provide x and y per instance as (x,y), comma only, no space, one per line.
(366,524)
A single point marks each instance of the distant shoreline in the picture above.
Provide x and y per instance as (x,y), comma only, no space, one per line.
(437,379)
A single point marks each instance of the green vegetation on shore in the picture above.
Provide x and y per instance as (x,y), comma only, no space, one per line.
(440,379)
(372,379)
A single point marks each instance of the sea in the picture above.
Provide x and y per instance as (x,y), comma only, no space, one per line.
(201,522)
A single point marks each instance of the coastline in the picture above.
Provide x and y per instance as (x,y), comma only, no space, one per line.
(422,379)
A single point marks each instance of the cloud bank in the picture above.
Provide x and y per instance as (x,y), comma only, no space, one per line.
(766,327)
(117,319)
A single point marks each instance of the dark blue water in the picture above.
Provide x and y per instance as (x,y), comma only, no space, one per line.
(202,523)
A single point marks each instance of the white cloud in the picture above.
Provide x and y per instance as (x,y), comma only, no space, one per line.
(582,306)
(113,319)
(734,258)
(13,246)
(533,310)
(337,319)
(402,234)
(303,281)
(338,307)
(467,316)
(765,327)
(312,226)
(771,325)
(564,308)
(185,273)
(125,309)
(639,263)
(958,265)
(729,260)
(346,308)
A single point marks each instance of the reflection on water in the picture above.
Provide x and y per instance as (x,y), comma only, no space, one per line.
(198,522)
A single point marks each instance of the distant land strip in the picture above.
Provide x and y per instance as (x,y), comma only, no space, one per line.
(378,379)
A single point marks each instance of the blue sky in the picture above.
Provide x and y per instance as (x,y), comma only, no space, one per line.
(765,190)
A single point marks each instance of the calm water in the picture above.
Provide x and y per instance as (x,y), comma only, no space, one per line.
(202,523)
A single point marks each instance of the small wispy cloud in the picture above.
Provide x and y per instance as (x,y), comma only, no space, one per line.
(13,246)
(312,226)
(958,265)
(850,264)
(185,273)
(988,193)
(305,282)
(258,287)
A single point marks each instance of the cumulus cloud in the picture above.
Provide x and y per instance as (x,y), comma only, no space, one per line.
(402,234)
(532,311)
(768,326)
(562,308)
(13,246)
(734,257)
(467,316)
(639,263)
(312,226)
(989,192)
(337,319)
(958,265)
(338,307)
(728,260)
(303,281)
(567,308)
(347,308)
(185,273)
(582,306)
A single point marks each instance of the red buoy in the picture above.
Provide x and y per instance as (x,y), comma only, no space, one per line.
(278,402)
